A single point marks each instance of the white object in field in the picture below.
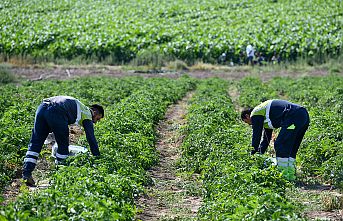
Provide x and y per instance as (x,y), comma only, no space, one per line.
(73,150)
(271,160)
(50,139)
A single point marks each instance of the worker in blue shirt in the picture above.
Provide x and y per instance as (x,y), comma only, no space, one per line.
(54,114)
(293,120)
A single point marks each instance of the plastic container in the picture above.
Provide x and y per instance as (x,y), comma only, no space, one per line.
(73,150)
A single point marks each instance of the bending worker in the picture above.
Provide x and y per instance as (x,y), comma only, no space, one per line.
(293,120)
(54,114)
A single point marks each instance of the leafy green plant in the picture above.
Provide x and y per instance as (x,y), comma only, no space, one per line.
(104,188)
(320,150)
(124,30)
(237,186)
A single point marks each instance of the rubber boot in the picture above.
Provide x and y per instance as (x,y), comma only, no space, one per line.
(282,165)
(27,174)
(291,169)
(29,181)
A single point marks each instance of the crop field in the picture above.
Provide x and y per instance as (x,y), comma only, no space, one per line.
(242,187)
(188,30)
(172,144)
(236,186)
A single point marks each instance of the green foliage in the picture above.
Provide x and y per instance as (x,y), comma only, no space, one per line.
(187,30)
(100,188)
(322,145)
(320,151)
(18,106)
(237,186)
(253,92)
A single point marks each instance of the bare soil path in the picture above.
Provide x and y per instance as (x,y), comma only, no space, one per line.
(36,72)
(172,197)
(320,201)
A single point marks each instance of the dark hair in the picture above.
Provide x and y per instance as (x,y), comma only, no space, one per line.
(99,108)
(245,112)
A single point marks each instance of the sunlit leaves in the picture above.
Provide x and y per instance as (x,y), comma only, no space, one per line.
(188,30)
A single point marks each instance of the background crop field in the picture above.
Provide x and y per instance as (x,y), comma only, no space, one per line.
(120,30)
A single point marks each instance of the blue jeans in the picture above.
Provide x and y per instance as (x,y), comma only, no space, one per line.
(48,119)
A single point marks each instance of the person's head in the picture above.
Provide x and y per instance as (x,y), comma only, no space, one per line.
(245,115)
(98,112)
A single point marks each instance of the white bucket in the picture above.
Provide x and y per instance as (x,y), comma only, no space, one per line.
(73,150)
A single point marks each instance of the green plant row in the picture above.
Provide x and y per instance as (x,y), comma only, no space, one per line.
(103,188)
(320,155)
(322,152)
(18,105)
(237,186)
(187,30)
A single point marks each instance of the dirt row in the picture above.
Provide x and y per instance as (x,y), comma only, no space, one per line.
(62,72)
(170,197)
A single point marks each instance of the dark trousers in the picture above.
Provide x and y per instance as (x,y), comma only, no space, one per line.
(291,134)
(48,119)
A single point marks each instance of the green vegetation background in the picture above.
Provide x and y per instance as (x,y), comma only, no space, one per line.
(120,31)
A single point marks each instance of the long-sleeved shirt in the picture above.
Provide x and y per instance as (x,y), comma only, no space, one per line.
(77,113)
(267,116)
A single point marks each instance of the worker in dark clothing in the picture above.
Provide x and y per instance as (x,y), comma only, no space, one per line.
(293,120)
(54,114)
